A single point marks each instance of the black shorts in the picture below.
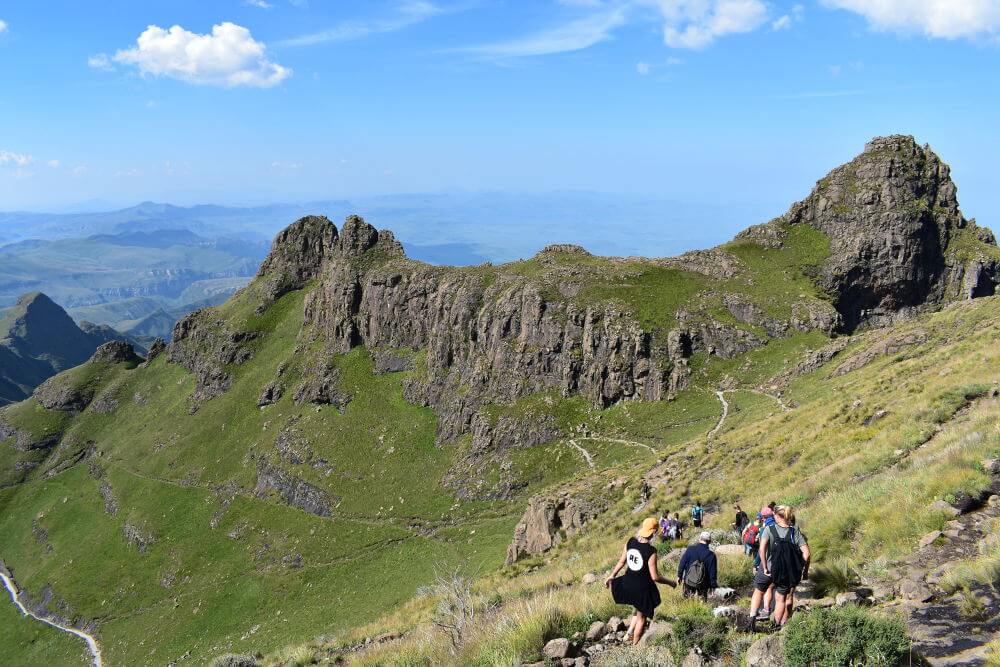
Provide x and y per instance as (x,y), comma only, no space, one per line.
(763,581)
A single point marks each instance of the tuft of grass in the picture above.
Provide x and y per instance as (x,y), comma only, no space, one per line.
(843,637)
(835,576)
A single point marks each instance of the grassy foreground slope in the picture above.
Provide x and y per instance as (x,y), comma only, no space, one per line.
(861,453)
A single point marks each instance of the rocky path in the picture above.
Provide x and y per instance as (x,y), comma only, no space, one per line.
(725,413)
(583,452)
(620,441)
(15,596)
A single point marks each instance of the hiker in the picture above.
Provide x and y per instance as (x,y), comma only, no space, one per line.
(750,535)
(678,526)
(741,519)
(698,568)
(638,586)
(697,513)
(784,554)
(761,602)
(665,526)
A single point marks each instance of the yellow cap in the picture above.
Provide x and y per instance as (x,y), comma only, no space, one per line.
(649,526)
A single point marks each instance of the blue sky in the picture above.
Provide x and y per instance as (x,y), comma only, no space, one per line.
(722,101)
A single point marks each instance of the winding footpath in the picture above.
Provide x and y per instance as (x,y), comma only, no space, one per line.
(725,413)
(15,596)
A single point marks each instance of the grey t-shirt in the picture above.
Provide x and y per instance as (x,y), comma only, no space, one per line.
(782,533)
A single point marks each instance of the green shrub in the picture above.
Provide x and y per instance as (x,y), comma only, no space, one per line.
(837,576)
(695,626)
(845,637)
(735,572)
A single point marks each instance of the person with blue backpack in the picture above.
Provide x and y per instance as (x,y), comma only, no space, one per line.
(697,514)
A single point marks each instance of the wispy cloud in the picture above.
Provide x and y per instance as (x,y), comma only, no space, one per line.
(406,14)
(578,34)
(3,26)
(16,159)
(260,4)
(686,24)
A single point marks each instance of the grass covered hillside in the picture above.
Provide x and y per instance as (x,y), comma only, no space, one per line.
(309,457)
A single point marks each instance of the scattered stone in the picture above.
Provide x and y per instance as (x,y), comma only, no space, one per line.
(991,466)
(846,598)
(942,506)
(557,649)
(883,593)
(766,652)
(135,535)
(929,538)
(656,629)
(271,394)
(596,631)
(721,593)
(616,624)
(915,591)
(590,578)
(729,549)
(693,659)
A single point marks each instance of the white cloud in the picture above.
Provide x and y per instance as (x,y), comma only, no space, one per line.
(229,57)
(3,26)
(54,164)
(782,22)
(643,68)
(948,19)
(262,4)
(101,62)
(694,24)
(407,13)
(16,159)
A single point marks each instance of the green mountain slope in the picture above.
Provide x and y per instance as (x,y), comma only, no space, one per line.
(305,457)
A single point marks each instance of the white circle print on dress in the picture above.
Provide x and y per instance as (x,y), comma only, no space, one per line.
(634,560)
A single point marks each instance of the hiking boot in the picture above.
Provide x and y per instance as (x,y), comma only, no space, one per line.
(764,613)
(752,625)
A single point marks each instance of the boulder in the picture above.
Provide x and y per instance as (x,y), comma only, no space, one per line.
(557,649)
(991,466)
(915,591)
(655,630)
(766,652)
(942,506)
(590,578)
(729,549)
(846,598)
(693,659)
(929,539)
(596,631)
(616,624)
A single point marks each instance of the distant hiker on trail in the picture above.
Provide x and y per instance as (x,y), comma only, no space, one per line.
(784,555)
(741,520)
(697,514)
(638,586)
(750,535)
(698,568)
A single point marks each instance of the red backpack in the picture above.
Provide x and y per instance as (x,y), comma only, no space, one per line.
(750,534)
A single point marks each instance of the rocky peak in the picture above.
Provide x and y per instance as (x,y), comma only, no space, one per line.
(297,254)
(893,221)
(33,314)
(563,249)
(358,237)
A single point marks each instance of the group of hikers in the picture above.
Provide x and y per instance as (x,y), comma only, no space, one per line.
(779,550)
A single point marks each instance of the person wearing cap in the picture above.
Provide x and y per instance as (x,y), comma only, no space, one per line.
(698,568)
(638,586)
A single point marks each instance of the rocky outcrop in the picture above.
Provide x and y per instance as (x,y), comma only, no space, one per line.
(898,241)
(321,386)
(204,345)
(549,520)
(115,352)
(59,393)
(292,490)
(508,431)
(138,537)
(893,344)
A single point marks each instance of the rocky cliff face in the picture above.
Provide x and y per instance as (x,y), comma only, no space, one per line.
(898,239)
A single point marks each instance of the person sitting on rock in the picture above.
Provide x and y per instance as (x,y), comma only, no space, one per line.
(698,568)
(784,554)
(638,587)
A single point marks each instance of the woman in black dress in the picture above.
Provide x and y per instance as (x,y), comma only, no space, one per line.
(638,586)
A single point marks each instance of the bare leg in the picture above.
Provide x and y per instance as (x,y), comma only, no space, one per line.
(780,612)
(755,601)
(631,626)
(789,605)
(769,598)
(640,627)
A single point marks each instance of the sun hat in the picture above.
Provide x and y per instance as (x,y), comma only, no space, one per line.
(649,526)
(705,537)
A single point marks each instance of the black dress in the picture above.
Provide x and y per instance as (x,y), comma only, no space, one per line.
(637,588)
